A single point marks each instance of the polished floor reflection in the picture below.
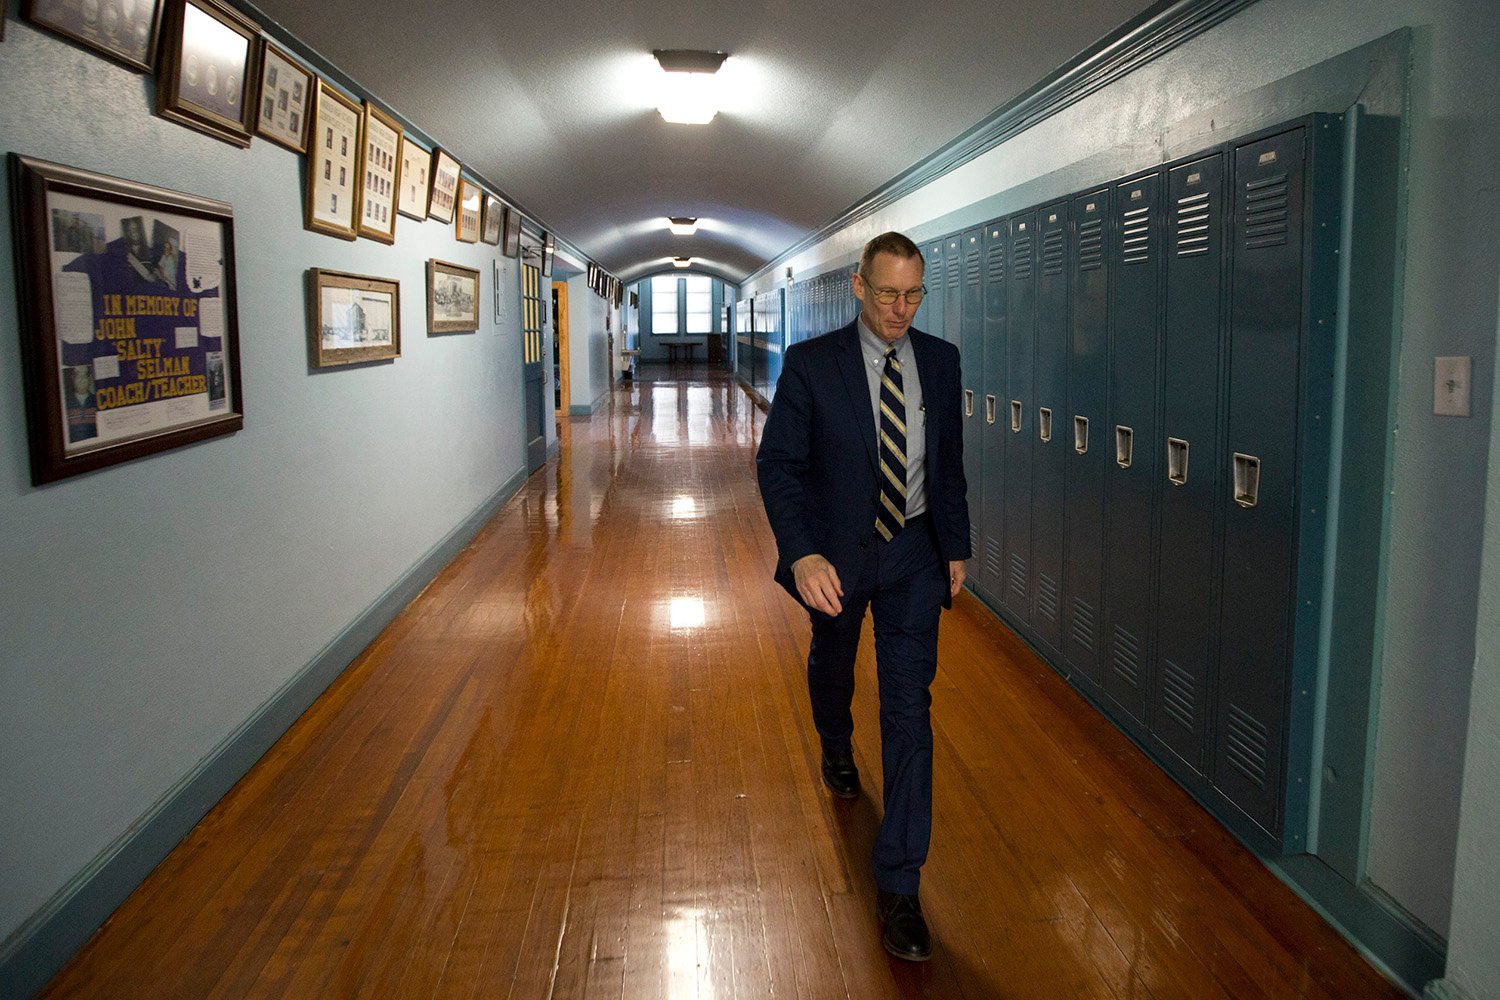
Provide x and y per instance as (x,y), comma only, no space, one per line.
(580,765)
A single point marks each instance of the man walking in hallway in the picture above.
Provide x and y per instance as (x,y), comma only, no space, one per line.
(861,473)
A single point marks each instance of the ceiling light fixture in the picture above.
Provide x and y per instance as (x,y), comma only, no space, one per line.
(682,225)
(689,94)
(682,262)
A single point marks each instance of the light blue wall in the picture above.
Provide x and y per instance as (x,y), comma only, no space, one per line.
(589,376)
(148,610)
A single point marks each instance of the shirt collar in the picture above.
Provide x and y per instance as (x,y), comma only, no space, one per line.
(875,346)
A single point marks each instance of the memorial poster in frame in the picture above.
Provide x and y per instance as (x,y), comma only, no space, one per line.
(125,30)
(285,95)
(380,174)
(494,220)
(209,60)
(452,298)
(352,318)
(470,202)
(511,243)
(129,324)
(332,205)
(416,180)
(445,171)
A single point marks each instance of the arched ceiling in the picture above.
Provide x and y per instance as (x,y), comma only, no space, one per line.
(825,102)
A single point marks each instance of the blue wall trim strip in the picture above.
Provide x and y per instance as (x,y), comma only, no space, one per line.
(44,944)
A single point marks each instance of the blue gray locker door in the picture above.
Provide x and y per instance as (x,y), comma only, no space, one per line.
(1132,442)
(971,356)
(1265,341)
(991,492)
(1083,447)
(1017,413)
(953,282)
(933,277)
(1188,486)
(1049,446)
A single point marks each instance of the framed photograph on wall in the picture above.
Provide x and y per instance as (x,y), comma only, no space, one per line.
(416,180)
(282,102)
(380,174)
(470,202)
(452,298)
(494,220)
(351,318)
(209,56)
(124,30)
(129,328)
(445,171)
(332,204)
(511,242)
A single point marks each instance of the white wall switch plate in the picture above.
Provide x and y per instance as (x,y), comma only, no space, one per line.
(1450,387)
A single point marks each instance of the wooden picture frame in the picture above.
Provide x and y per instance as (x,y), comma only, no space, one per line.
(511,243)
(416,180)
(351,318)
(129,322)
(283,99)
(209,59)
(445,175)
(452,298)
(126,31)
(470,206)
(332,196)
(494,220)
(379,173)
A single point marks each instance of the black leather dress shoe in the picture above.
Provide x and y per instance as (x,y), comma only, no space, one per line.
(903,931)
(840,774)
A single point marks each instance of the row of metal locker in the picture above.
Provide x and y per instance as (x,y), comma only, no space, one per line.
(1147,368)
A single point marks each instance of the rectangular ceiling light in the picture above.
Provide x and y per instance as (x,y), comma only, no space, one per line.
(682,262)
(682,225)
(690,94)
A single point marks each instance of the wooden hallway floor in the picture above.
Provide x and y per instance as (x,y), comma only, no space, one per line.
(580,764)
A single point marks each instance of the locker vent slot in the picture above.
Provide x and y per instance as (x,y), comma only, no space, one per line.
(996,271)
(973,268)
(1081,435)
(1020,253)
(1015,416)
(1266,212)
(968,402)
(1046,597)
(1191,231)
(1245,745)
(1177,461)
(1177,697)
(1018,574)
(1053,253)
(1044,424)
(1124,445)
(1126,658)
(973,538)
(1135,236)
(994,563)
(955,269)
(1091,245)
(1083,624)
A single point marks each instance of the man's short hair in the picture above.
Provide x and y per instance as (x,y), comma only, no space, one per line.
(892,243)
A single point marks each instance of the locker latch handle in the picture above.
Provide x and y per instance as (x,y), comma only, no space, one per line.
(968,402)
(1044,423)
(1124,445)
(1246,479)
(1081,435)
(989,409)
(1015,416)
(1177,461)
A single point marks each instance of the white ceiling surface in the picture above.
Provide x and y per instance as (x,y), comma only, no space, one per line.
(827,101)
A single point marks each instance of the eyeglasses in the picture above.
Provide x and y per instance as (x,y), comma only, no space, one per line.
(888,296)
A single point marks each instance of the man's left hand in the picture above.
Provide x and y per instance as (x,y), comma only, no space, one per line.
(955,577)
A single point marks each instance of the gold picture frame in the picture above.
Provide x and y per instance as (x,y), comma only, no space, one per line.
(332,196)
(416,180)
(283,99)
(379,173)
(445,176)
(466,219)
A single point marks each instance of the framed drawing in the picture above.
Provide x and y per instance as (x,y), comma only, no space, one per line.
(380,174)
(494,220)
(444,187)
(452,298)
(129,329)
(416,180)
(351,318)
(285,94)
(124,30)
(548,246)
(209,53)
(512,240)
(332,205)
(470,199)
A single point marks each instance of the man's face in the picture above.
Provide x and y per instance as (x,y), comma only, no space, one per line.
(889,273)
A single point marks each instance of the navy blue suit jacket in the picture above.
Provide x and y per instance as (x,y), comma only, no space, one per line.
(817,457)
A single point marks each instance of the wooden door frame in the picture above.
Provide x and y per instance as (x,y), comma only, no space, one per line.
(561,335)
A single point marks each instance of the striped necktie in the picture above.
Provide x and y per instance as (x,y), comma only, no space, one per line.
(890,518)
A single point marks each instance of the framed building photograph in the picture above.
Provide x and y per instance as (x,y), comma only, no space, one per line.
(351,318)
(129,323)
(332,205)
(124,30)
(494,220)
(209,57)
(470,204)
(452,298)
(283,99)
(511,242)
(445,172)
(416,180)
(380,174)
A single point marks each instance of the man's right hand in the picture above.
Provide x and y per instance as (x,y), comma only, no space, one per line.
(818,584)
